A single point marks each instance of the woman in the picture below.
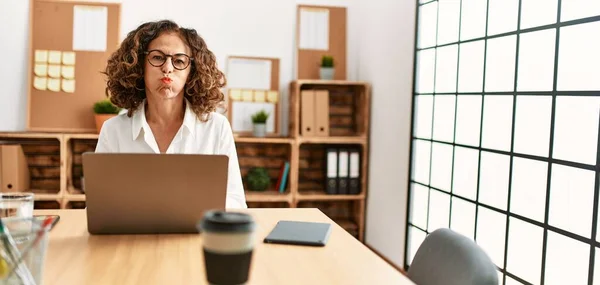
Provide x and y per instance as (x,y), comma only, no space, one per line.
(168,81)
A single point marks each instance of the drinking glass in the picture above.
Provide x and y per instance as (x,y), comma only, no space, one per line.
(18,204)
(23,247)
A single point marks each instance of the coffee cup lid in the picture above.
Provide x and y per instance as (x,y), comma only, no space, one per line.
(230,222)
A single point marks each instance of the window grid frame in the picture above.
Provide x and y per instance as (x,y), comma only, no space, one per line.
(516,154)
(511,215)
(595,214)
(437,19)
(455,116)
(591,241)
(519,93)
(551,148)
(512,141)
(558,25)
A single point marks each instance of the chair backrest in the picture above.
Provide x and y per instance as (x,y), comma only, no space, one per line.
(449,258)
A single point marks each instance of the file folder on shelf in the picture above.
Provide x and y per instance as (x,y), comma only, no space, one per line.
(321,113)
(307,113)
(14,170)
(331,171)
(343,172)
(354,183)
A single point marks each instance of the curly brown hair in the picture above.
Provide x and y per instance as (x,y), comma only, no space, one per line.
(125,70)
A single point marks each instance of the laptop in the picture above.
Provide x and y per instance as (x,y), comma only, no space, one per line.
(148,193)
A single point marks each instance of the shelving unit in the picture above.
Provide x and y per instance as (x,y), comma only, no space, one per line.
(55,158)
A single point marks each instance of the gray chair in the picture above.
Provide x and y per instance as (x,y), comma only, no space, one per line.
(449,258)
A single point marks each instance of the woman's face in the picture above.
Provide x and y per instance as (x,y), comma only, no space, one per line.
(167,66)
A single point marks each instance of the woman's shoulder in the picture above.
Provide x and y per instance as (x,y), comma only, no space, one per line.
(217,119)
(117,122)
(216,123)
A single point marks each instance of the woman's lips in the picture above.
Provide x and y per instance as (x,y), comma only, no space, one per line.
(166,80)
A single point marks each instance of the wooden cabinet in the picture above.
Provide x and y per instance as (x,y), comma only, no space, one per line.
(54,159)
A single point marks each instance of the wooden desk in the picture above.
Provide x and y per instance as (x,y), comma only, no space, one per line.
(75,257)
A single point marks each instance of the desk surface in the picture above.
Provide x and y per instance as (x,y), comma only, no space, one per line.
(75,257)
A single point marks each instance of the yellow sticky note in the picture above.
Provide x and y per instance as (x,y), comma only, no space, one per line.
(54,71)
(68,58)
(40,69)
(273,96)
(68,85)
(54,56)
(54,84)
(259,96)
(41,56)
(235,94)
(247,95)
(68,72)
(40,83)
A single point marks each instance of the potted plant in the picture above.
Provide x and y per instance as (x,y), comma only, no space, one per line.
(258,179)
(327,71)
(103,111)
(259,121)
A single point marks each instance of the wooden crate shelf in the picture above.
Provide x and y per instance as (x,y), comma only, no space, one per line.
(268,204)
(317,195)
(75,147)
(75,205)
(75,197)
(31,136)
(333,140)
(47,205)
(349,106)
(44,195)
(83,136)
(267,196)
(313,169)
(43,156)
(267,140)
(269,156)
(348,214)
(55,159)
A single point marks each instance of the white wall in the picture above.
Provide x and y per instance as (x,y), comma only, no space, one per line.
(380,50)
(230,27)
(14,26)
(386,61)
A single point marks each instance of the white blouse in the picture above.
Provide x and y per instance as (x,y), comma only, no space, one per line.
(133,135)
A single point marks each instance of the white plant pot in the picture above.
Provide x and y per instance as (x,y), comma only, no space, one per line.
(259,130)
(327,73)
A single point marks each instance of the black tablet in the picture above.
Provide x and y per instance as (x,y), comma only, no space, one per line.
(299,233)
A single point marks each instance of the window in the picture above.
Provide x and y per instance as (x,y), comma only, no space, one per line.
(506,122)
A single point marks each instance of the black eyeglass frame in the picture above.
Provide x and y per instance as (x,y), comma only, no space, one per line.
(190,59)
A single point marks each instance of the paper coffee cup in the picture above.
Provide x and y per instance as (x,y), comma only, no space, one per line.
(228,244)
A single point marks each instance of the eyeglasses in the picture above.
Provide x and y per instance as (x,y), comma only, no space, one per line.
(179,61)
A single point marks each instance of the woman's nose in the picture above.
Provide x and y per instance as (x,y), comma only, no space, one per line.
(168,66)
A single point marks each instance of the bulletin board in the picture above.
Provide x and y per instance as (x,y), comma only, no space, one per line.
(321,30)
(252,85)
(243,103)
(273,74)
(69,45)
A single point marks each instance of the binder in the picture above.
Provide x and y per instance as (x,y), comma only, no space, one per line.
(280,177)
(343,172)
(286,171)
(321,113)
(354,183)
(331,171)
(14,170)
(307,113)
